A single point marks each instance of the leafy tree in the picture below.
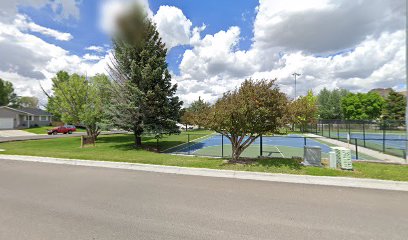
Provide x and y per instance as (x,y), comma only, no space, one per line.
(80,101)
(329,103)
(52,105)
(244,114)
(394,108)
(29,102)
(362,106)
(144,98)
(187,117)
(303,110)
(196,113)
(7,95)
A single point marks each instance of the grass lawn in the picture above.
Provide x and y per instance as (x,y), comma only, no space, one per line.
(120,148)
(43,130)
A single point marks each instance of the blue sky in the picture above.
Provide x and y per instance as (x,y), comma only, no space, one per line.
(214,45)
(216,15)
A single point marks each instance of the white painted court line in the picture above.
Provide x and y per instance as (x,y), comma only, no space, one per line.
(279,151)
(188,143)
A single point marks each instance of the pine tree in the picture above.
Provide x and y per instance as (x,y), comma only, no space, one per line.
(145,98)
(394,108)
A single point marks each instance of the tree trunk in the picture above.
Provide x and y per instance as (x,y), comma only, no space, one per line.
(236,152)
(138,136)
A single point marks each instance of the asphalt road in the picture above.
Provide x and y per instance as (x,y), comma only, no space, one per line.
(47,201)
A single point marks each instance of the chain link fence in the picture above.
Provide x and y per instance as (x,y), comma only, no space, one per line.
(385,136)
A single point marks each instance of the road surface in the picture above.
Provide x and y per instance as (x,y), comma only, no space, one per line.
(47,201)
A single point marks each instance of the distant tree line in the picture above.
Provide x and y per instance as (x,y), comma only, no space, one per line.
(342,104)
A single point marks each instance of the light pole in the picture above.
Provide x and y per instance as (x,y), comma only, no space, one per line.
(295,75)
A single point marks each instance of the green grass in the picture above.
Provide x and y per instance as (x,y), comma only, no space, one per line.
(43,130)
(120,148)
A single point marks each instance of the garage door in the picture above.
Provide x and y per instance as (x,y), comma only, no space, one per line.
(6,123)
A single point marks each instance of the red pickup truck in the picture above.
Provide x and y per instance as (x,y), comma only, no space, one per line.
(62,129)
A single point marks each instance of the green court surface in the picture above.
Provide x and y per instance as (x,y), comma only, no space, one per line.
(253,151)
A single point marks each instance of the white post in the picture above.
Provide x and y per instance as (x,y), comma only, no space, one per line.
(28,121)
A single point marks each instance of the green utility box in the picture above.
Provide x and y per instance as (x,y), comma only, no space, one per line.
(343,158)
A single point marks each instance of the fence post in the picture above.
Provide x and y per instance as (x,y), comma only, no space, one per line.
(329,130)
(260,147)
(338,131)
(322,128)
(364,136)
(383,137)
(356,143)
(222,145)
(188,143)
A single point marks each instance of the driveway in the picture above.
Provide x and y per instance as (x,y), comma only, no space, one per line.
(33,136)
(49,201)
(15,133)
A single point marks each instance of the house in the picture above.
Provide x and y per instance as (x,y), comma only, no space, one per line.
(13,118)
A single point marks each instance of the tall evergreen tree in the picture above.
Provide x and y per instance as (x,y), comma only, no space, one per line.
(144,96)
(394,108)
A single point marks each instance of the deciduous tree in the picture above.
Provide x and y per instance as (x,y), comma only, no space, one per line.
(80,101)
(303,111)
(7,95)
(29,102)
(362,106)
(196,113)
(244,114)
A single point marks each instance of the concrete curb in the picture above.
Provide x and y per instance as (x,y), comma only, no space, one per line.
(272,177)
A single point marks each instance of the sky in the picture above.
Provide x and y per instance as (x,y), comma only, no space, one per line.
(214,45)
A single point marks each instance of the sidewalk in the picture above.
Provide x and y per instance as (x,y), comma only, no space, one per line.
(366,151)
(286,178)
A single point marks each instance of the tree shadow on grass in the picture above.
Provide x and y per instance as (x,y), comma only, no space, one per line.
(121,139)
(292,163)
(126,143)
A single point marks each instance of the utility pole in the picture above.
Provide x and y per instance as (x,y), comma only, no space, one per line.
(295,75)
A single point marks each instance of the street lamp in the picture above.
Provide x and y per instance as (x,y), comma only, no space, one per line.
(295,75)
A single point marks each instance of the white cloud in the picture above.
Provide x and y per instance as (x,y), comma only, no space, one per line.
(62,8)
(324,26)
(173,26)
(95,48)
(27,61)
(91,57)
(285,37)
(24,23)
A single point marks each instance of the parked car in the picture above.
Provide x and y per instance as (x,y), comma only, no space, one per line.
(62,129)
